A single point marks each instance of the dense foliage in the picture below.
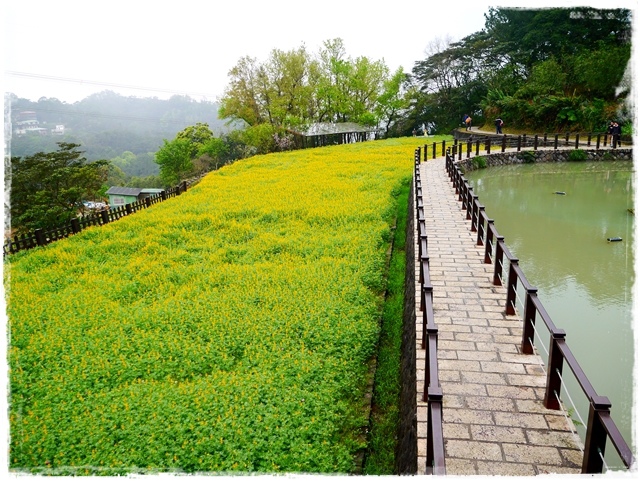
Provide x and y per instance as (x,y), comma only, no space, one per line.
(294,89)
(549,69)
(48,189)
(194,150)
(229,329)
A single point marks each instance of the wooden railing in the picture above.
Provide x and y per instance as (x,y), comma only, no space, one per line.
(483,143)
(432,390)
(42,237)
(600,426)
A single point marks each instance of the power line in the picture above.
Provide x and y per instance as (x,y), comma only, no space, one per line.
(104,84)
(108,116)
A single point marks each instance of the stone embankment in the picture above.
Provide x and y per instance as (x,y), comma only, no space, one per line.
(537,156)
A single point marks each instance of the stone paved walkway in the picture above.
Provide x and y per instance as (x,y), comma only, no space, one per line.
(493,416)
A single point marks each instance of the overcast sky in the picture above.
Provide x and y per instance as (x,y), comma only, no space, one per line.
(69,49)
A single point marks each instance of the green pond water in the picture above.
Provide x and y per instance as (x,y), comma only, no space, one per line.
(585,282)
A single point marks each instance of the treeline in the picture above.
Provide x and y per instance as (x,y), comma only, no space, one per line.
(557,69)
(295,89)
(551,69)
(128,131)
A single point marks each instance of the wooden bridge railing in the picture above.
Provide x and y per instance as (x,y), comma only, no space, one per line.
(600,426)
(480,144)
(42,237)
(432,390)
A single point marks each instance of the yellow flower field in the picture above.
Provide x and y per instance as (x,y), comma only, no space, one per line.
(227,329)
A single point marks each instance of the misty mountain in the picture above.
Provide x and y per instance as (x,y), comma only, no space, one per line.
(105,124)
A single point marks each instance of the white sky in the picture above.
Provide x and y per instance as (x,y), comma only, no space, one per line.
(188,47)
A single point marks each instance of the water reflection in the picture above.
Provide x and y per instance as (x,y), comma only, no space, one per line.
(584,282)
(566,234)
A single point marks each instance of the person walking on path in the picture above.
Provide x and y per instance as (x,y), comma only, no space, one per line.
(468,122)
(499,124)
(616,131)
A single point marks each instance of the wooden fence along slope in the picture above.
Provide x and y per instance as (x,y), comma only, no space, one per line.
(42,237)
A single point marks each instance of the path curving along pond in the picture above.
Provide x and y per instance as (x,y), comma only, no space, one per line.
(572,226)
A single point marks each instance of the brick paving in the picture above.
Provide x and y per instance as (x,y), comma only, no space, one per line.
(494,421)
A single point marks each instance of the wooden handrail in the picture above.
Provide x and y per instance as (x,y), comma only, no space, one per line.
(600,426)
(435,463)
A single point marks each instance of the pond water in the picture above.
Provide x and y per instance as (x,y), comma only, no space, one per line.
(584,281)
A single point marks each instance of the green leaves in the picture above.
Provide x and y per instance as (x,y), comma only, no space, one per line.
(226,330)
(175,160)
(47,189)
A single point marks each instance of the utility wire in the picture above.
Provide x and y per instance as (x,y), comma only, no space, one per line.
(107,116)
(105,84)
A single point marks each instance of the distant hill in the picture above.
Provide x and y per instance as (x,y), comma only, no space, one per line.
(106,124)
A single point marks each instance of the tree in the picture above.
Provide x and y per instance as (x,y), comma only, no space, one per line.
(294,89)
(175,160)
(240,100)
(47,189)
(197,135)
(393,102)
(556,68)
(212,154)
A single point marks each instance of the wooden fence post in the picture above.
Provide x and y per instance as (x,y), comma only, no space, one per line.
(489,242)
(596,437)
(528,328)
(512,284)
(40,239)
(480,225)
(498,268)
(554,370)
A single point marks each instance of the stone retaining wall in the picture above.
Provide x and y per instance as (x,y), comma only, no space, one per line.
(407,446)
(535,156)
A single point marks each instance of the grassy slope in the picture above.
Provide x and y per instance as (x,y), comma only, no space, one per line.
(385,414)
(225,330)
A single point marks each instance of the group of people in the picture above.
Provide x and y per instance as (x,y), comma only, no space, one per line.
(466,120)
(615,130)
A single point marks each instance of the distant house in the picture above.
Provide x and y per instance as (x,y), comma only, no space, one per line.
(26,122)
(119,196)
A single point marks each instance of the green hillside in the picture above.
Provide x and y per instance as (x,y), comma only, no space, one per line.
(229,329)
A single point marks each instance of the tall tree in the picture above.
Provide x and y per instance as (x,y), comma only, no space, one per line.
(554,68)
(175,160)
(48,189)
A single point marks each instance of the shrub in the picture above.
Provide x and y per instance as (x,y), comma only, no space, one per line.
(479,162)
(577,155)
(527,157)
